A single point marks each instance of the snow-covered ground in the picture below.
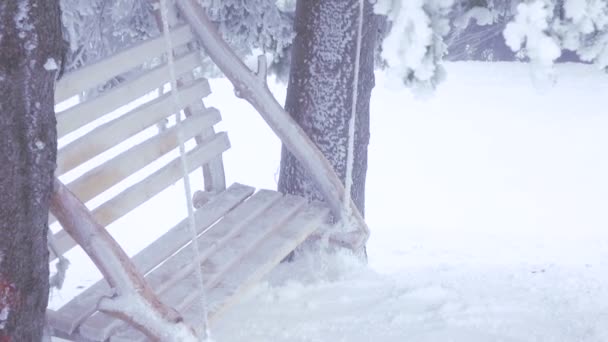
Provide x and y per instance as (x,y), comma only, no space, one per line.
(487,205)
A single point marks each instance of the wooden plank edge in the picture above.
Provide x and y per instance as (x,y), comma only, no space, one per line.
(85,78)
(292,233)
(137,194)
(114,132)
(131,161)
(86,112)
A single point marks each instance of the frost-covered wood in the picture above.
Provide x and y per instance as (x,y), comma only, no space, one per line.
(90,76)
(159,180)
(246,257)
(213,171)
(272,250)
(132,300)
(85,112)
(30,39)
(244,245)
(169,278)
(140,116)
(252,87)
(70,316)
(152,185)
(114,132)
(101,178)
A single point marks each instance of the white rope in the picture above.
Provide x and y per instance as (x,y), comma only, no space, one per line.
(182,153)
(350,156)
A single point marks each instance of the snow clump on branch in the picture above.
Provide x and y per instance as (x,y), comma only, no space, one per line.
(253,24)
(584,29)
(541,30)
(530,31)
(414,48)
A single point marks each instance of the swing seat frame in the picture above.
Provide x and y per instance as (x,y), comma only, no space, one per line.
(241,233)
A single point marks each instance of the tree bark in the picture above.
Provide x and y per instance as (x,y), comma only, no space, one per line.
(320,89)
(30,35)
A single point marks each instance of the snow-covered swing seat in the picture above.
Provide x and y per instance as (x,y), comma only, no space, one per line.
(242,234)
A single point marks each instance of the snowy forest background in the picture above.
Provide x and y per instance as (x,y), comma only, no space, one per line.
(416,35)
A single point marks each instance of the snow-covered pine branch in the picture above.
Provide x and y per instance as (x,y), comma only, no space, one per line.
(537,30)
(529,30)
(584,29)
(253,24)
(96,28)
(543,28)
(414,48)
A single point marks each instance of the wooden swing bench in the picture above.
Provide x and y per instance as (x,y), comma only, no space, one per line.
(242,234)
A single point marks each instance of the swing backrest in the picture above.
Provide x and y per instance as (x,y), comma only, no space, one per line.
(110,135)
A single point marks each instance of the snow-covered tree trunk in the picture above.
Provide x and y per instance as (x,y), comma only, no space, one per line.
(30,43)
(320,90)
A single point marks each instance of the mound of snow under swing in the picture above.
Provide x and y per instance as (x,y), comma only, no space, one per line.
(487,206)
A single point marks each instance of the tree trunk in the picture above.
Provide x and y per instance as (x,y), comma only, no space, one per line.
(30,35)
(319,94)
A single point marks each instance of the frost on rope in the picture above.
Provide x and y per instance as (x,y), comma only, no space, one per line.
(350,155)
(414,48)
(529,31)
(184,164)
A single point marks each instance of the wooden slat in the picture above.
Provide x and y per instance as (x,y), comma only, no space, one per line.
(255,265)
(132,197)
(137,194)
(52,320)
(181,264)
(116,131)
(88,77)
(86,112)
(69,317)
(115,135)
(110,173)
(216,265)
(213,172)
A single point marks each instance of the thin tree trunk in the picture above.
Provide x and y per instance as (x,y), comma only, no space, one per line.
(319,94)
(30,35)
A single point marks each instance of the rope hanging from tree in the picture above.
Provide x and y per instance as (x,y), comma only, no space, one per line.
(164,9)
(350,154)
